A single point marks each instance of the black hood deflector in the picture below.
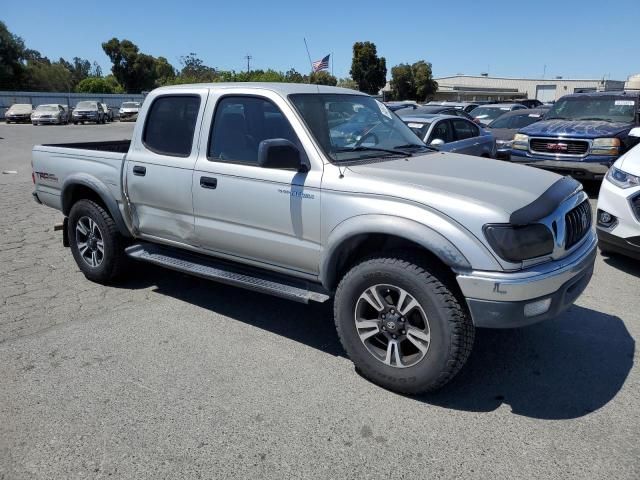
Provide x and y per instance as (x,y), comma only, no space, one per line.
(546,203)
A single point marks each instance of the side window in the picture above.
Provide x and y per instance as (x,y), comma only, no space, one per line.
(442,131)
(464,129)
(170,125)
(241,123)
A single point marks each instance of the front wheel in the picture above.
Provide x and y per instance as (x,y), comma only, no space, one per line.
(401,324)
(96,244)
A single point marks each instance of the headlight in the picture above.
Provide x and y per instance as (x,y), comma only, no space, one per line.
(605,146)
(520,142)
(622,179)
(504,143)
(515,244)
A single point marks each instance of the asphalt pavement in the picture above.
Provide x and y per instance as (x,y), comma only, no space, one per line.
(169,376)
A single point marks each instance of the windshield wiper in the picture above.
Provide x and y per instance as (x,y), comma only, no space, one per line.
(556,118)
(372,149)
(415,146)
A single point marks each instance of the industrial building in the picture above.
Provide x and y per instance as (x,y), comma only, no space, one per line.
(458,88)
(484,87)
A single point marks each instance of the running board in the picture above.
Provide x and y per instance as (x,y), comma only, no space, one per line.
(223,272)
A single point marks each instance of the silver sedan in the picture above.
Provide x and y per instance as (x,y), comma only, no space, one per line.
(448,133)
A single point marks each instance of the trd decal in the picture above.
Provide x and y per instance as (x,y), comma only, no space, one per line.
(47,176)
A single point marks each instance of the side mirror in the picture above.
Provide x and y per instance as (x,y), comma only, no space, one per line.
(281,153)
(635,132)
(437,142)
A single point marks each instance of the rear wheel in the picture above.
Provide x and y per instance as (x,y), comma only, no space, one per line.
(96,244)
(402,325)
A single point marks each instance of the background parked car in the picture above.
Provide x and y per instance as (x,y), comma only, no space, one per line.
(19,113)
(486,114)
(582,135)
(88,111)
(449,133)
(529,102)
(619,205)
(505,127)
(129,111)
(108,112)
(434,110)
(49,113)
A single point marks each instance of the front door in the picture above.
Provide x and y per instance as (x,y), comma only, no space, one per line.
(159,169)
(267,216)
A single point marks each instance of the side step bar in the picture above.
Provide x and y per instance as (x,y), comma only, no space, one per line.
(223,272)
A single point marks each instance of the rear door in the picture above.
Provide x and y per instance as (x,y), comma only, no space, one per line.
(160,164)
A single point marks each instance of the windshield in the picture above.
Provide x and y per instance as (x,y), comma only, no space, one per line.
(21,108)
(604,108)
(354,127)
(488,113)
(87,106)
(47,108)
(516,121)
(130,105)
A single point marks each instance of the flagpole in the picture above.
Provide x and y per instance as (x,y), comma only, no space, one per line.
(308,55)
(332,64)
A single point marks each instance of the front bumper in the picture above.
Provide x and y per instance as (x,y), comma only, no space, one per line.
(55,120)
(590,167)
(498,299)
(18,118)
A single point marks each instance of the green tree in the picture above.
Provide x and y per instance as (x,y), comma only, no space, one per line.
(42,75)
(194,69)
(107,84)
(292,76)
(367,69)
(425,85)
(135,71)
(164,71)
(323,78)
(403,86)
(347,83)
(12,50)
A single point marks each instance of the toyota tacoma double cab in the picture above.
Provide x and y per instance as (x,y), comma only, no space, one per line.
(280,188)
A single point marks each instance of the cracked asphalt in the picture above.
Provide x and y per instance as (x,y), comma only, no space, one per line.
(168,376)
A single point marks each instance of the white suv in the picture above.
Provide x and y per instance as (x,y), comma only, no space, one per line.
(619,205)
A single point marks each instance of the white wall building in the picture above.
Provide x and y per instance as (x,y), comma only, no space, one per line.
(469,87)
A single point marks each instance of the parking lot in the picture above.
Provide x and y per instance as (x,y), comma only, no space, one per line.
(170,376)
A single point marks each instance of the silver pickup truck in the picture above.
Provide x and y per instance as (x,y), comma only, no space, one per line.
(311,193)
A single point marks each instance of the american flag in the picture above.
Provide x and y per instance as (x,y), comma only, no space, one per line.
(321,64)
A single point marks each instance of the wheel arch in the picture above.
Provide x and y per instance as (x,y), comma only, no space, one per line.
(360,236)
(84,186)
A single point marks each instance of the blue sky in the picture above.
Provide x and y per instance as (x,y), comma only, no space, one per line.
(506,38)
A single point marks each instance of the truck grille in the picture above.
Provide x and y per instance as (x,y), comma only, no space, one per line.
(559,146)
(577,223)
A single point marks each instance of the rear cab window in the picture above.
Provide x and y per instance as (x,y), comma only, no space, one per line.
(170,125)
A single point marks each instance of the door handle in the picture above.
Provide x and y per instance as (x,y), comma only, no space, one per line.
(208,182)
(140,171)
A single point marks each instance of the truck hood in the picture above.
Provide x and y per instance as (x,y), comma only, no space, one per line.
(450,182)
(575,128)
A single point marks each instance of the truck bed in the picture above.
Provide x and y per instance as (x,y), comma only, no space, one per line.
(117,146)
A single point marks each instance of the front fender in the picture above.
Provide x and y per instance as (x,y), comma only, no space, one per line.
(428,237)
(99,188)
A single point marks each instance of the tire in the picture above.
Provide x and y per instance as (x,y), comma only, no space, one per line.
(446,323)
(112,259)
